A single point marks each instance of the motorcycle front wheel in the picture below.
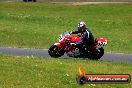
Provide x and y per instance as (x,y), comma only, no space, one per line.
(54,51)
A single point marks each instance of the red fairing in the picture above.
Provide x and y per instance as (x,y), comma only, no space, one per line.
(74,38)
(58,45)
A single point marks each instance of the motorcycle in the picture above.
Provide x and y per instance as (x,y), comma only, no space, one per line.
(64,46)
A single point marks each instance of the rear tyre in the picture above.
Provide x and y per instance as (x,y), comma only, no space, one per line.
(98,54)
(54,51)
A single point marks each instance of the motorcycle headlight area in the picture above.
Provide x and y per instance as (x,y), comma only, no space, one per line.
(61,37)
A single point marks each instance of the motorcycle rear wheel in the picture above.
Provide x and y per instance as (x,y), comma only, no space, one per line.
(54,51)
(99,53)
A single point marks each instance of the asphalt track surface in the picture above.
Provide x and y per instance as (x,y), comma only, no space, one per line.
(118,57)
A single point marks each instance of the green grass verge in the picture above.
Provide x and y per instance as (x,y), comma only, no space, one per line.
(31,72)
(37,25)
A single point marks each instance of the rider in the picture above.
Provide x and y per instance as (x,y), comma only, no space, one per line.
(86,34)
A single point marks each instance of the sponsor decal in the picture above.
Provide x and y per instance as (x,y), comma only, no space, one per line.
(84,78)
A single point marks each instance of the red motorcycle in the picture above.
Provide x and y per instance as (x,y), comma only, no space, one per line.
(64,46)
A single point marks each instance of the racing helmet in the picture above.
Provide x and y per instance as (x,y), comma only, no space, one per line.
(81,26)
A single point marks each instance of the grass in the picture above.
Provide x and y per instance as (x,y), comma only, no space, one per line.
(37,25)
(32,72)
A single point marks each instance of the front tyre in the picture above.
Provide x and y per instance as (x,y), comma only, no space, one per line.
(54,51)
